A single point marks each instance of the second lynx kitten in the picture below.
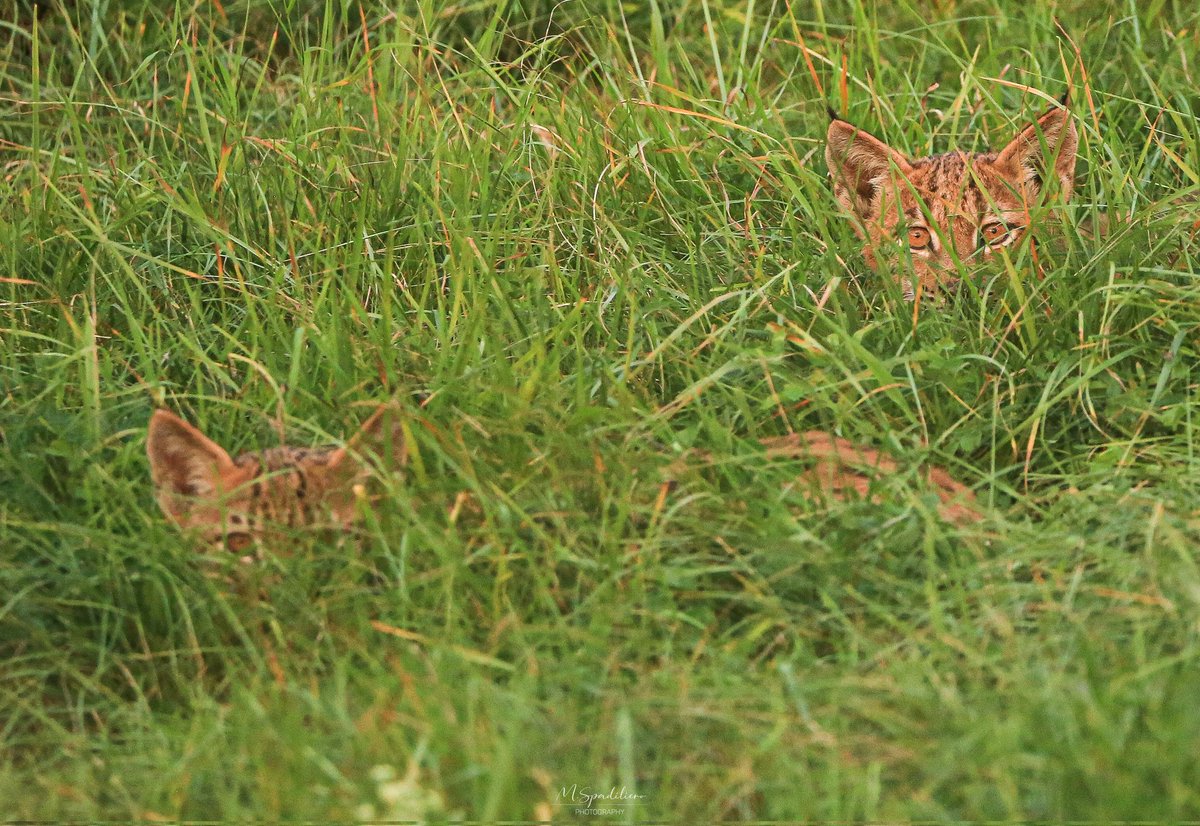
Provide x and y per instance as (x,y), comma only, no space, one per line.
(947,210)
(230,502)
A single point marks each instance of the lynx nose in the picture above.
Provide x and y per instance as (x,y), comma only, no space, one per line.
(935,289)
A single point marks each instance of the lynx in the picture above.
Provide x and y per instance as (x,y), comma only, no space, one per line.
(230,503)
(843,470)
(947,212)
(833,468)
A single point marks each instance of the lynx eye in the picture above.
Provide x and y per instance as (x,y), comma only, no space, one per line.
(238,542)
(918,238)
(996,233)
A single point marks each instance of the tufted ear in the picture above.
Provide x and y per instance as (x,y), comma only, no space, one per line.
(183,462)
(381,434)
(859,164)
(1047,146)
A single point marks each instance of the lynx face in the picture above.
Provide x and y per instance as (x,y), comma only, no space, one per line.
(229,503)
(952,211)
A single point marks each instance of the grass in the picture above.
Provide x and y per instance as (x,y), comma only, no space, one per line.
(575,241)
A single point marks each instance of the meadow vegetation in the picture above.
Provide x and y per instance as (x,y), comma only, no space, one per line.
(583,243)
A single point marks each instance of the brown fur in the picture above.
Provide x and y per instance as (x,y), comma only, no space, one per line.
(947,210)
(231,502)
(842,469)
(839,469)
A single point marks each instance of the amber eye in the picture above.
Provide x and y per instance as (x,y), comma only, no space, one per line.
(995,232)
(918,238)
(238,542)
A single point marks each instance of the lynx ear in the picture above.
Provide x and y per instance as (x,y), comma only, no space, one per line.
(381,434)
(1027,160)
(859,164)
(183,462)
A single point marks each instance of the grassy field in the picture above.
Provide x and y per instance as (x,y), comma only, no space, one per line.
(575,241)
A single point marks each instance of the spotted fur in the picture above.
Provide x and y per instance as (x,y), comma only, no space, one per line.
(947,213)
(231,502)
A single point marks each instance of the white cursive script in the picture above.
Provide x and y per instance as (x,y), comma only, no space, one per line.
(576,793)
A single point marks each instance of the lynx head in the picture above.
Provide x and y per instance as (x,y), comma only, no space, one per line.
(231,502)
(949,211)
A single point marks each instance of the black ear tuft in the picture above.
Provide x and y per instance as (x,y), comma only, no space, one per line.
(1065,100)
(833,115)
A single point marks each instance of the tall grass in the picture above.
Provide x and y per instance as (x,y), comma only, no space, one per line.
(576,241)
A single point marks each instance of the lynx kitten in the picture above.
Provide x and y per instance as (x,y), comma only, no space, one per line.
(230,502)
(948,210)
